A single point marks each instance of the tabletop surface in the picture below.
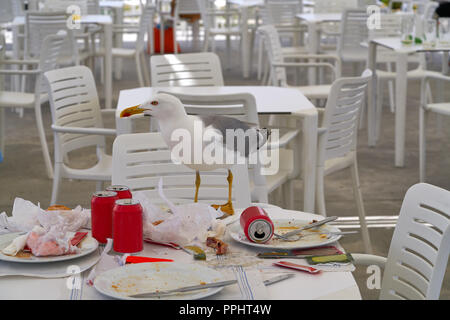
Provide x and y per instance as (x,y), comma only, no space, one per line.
(268,99)
(320,17)
(303,286)
(247,3)
(394,43)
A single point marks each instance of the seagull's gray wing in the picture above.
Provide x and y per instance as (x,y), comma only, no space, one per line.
(255,138)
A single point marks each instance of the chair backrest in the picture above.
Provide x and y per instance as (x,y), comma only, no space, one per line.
(354,31)
(62,5)
(51,52)
(41,24)
(7,11)
(93,7)
(145,21)
(333,6)
(281,13)
(186,70)
(74,103)
(274,50)
(188,7)
(341,117)
(140,160)
(420,246)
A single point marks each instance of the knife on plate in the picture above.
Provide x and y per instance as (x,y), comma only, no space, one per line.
(184,289)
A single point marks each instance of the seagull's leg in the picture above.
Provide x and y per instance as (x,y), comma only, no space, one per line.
(197,185)
(227,208)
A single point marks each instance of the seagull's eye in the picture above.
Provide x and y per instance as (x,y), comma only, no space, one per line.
(155,103)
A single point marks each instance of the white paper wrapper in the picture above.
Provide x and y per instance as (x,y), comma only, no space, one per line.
(106,262)
(186,224)
(26,215)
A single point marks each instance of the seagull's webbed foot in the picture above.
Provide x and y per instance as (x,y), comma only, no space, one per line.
(226,208)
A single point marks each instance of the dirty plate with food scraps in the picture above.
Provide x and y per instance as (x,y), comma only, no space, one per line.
(314,237)
(132,279)
(87,246)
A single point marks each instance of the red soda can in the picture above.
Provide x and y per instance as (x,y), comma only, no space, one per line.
(102,204)
(123,192)
(257,225)
(127,226)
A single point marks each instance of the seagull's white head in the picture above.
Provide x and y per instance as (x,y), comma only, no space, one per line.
(162,106)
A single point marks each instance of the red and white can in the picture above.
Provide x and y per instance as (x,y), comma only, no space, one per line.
(257,225)
(102,204)
(123,192)
(127,226)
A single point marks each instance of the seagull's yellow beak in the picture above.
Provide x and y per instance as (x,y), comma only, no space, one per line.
(131,111)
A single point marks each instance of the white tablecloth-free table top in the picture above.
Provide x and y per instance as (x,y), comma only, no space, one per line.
(303,286)
(269,100)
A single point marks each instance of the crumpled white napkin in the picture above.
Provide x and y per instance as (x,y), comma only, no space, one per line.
(106,262)
(26,215)
(188,223)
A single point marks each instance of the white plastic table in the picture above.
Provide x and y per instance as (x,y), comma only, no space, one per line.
(244,6)
(106,22)
(303,286)
(401,85)
(269,100)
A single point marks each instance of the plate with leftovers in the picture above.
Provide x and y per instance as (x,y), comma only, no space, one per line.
(309,238)
(133,279)
(40,246)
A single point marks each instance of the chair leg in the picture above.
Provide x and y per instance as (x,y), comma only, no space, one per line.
(2,131)
(422,144)
(139,69)
(56,183)
(41,132)
(378,110)
(320,192)
(360,207)
(260,59)
(146,66)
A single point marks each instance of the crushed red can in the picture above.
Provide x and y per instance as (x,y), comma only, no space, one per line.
(127,226)
(102,204)
(123,192)
(257,225)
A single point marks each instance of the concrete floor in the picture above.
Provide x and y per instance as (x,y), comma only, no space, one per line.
(22,174)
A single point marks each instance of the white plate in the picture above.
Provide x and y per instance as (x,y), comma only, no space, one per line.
(147,277)
(237,234)
(6,239)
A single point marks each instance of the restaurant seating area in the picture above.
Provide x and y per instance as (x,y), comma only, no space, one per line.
(350,99)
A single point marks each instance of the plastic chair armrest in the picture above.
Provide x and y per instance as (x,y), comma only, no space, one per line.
(79,130)
(284,140)
(369,259)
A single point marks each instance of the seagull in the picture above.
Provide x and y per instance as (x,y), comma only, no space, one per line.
(207,132)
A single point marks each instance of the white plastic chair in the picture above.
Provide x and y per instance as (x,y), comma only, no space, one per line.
(41,24)
(279,64)
(420,247)
(140,160)
(189,69)
(77,124)
(51,49)
(282,15)
(354,31)
(337,141)
(439,108)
